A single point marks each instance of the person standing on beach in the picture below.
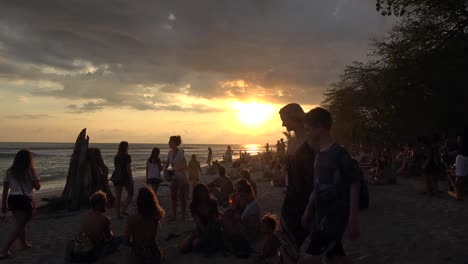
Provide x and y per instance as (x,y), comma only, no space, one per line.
(21,178)
(194,172)
(210,157)
(228,154)
(153,170)
(179,181)
(300,180)
(122,178)
(333,205)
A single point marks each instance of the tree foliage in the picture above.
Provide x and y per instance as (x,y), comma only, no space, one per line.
(416,81)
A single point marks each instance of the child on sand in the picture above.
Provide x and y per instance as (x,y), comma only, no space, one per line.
(142,228)
(153,170)
(272,244)
(21,178)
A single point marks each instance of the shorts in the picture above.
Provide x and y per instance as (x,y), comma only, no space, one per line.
(19,203)
(153,181)
(322,244)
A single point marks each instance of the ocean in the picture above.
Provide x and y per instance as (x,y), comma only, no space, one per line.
(52,159)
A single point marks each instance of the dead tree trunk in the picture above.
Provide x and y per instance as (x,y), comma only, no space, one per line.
(87,174)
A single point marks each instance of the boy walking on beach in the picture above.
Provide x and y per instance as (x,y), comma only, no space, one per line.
(334,203)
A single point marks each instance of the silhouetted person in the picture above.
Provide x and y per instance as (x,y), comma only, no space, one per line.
(179,180)
(333,205)
(153,170)
(21,178)
(122,178)
(300,183)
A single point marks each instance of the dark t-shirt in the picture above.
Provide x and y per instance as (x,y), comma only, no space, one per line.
(334,174)
(121,173)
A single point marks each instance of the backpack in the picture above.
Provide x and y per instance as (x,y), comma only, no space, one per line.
(364,190)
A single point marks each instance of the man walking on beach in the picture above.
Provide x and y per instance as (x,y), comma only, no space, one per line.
(334,203)
(300,169)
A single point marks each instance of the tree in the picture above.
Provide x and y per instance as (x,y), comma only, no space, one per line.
(415,82)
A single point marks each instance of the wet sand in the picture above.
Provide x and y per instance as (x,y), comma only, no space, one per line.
(401,226)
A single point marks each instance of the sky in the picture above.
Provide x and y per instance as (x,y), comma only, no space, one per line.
(212,71)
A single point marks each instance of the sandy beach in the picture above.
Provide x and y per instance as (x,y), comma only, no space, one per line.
(401,226)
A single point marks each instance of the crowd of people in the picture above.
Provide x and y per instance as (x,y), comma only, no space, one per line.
(322,197)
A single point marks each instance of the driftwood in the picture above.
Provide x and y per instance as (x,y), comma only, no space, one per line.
(87,174)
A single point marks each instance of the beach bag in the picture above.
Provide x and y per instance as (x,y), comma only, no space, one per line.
(83,248)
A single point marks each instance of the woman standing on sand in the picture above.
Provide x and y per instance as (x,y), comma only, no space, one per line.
(210,157)
(153,170)
(228,154)
(178,168)
(122,178)
(21,178)
(194,172)
(142,228)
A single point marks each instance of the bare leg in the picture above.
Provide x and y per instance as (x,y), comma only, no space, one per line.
(21,220)
(174,190)
(129,188)
(118,198)
(183,198)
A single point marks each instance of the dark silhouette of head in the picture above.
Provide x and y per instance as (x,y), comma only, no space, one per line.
(292,116)
(154,155)
(123,148)
(148,204)
(175,141)
(317,122)
(22,163)
(98,201)
(222,171)
(201,194)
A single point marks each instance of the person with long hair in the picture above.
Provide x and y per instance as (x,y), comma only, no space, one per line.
(153,170)
(176,165)
(21,178)
(207,234)
(142,228)
(194,172)
(122,178)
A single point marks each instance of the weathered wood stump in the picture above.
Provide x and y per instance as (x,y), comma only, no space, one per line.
(87,174)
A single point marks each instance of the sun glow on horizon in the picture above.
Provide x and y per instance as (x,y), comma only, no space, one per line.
(253,113)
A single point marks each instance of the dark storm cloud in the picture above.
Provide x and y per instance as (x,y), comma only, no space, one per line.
(137,53)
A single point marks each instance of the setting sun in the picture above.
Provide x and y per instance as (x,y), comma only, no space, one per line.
(253,113)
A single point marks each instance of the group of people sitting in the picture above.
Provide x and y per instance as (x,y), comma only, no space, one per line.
(226,216)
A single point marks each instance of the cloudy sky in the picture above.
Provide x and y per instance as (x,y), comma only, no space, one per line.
(143,70)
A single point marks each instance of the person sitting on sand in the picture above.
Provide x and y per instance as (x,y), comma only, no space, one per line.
(142,228)
(194,172)
(241,220)
(207,234)
(153,170)
(179,181)
(221,187)
(228,155)
(245,174)
(271,245)
(122,178)
(95,238)
(21,178)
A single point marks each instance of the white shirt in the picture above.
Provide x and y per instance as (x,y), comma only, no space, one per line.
(461,166)
(153,171)
(176,162)
(22,188)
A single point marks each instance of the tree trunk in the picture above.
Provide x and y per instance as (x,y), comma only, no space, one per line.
(87,174)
